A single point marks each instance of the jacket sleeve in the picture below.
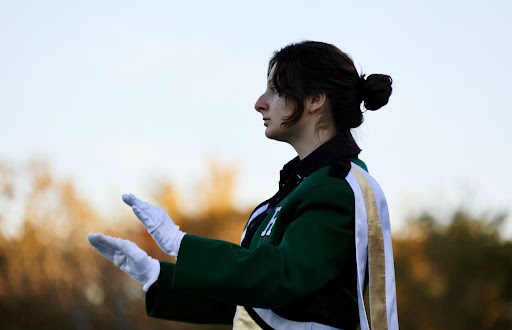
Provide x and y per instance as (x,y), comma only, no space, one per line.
(315,248)
(165,302)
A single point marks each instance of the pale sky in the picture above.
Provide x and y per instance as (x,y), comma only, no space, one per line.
(118,94)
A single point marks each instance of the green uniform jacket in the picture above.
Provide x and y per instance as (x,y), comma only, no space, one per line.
(296,259)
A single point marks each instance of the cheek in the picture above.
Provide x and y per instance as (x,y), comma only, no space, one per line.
(286,109)
(281,107)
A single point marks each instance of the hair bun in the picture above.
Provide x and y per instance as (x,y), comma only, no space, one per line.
(376,91)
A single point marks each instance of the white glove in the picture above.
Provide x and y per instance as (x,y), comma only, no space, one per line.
(128,256)
(166,234)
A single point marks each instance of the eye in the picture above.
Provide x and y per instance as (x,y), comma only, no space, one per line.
(273,89)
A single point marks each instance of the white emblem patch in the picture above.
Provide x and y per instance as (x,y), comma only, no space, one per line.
(271,223)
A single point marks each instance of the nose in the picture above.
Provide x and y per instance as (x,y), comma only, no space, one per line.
(261,104)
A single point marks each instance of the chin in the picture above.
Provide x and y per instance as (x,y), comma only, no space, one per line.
(269,133)
(274,135)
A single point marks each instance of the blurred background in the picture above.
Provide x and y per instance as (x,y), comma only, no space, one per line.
(101,98)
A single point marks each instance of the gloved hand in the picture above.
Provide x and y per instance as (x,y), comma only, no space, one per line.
(128,256)
(166,234)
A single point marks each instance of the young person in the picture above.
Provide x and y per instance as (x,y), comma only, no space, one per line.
(302,260)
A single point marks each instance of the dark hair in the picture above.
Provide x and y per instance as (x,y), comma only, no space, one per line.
(310,67)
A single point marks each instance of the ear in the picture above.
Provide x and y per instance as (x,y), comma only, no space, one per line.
(315,102)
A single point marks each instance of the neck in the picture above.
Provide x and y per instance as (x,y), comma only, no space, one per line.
(311,140)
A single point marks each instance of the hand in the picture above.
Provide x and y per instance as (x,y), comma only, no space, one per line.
(166,234)
(128,256)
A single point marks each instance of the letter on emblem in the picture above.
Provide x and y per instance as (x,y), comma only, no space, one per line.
(271,223)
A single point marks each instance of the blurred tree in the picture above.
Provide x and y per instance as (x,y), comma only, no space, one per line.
(216,216)
(47,280)
(451,274)
(454,274)
(50,278)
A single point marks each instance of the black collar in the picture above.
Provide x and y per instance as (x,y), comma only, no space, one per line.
(340,146)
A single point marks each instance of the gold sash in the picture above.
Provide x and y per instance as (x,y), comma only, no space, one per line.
(376,261)
(243,321)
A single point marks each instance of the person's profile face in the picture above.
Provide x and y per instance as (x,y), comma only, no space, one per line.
(274,109)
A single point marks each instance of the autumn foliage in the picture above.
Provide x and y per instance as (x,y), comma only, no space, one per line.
(451,273)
